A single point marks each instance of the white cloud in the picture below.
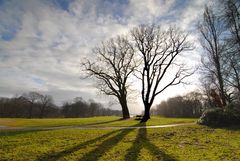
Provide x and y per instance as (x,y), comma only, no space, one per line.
(189,17)
(142,11)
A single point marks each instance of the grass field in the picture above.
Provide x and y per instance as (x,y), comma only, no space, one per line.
(99,121)
(191,142)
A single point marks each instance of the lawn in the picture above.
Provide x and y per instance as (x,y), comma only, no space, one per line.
(99,121)
(189,142)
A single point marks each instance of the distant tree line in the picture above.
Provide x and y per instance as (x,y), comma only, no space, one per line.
(190,105)
(36,105)
(81,108)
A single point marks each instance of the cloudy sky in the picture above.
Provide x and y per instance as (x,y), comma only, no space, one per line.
(43,41)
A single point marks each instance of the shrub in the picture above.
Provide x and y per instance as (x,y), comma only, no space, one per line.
(230,115)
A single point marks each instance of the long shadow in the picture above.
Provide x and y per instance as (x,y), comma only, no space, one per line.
(104,122)
(14,132)
(142,141)
(106,145)
(58,155)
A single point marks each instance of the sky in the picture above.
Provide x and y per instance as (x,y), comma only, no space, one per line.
(42,42)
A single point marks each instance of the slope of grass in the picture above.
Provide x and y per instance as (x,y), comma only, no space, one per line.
(99,121)
(192,142)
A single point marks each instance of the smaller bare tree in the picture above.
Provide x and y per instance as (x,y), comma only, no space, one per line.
(212,32)
(111,65)
(45,101)
(32,98)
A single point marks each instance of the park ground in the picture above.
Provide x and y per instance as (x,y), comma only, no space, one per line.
(187,142)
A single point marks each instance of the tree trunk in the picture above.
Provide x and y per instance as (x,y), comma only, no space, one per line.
(125,111)
(220,81)
(146,116)
(41,112)
(222,94)
(30,111)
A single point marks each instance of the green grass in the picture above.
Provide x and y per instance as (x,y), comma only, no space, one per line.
(99,121)
(192,143)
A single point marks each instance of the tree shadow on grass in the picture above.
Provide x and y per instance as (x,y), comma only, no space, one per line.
(132,155)
(96,153)
(142,141)
(58,155)
(104,122)
(105,146)
(14,132)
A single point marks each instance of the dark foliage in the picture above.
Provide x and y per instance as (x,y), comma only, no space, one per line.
(81,108)
(230,115)
(23,107)
(188,106)
(18,107)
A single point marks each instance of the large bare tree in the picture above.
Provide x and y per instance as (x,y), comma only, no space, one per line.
(212,29)
(111,65)
(158,50)
(231,17)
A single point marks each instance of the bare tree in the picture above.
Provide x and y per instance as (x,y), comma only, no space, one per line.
(212,29)
(231,17)
(45,101)
(158,50)
(31,98)
(111,65)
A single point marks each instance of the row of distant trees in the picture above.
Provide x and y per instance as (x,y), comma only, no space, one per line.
(190,105)
(36,105)
(81,108)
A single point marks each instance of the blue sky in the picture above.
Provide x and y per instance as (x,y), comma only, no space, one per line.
(63,4)
(43,41)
